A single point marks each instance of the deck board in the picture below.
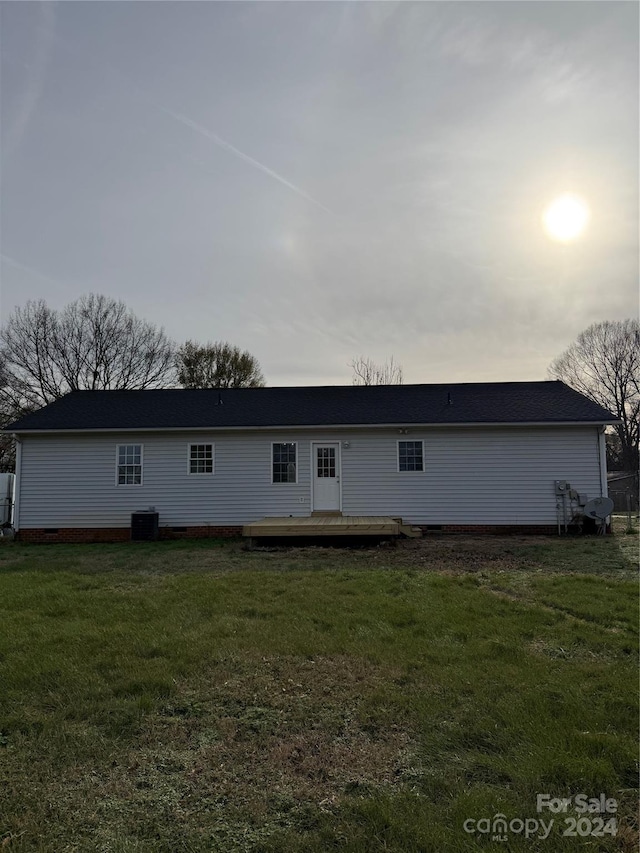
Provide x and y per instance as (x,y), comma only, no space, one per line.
(344,525)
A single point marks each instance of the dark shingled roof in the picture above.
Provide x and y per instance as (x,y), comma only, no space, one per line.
(478,403)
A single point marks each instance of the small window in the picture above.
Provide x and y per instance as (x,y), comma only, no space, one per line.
(129,465)
(284,468)
(201,458)
(410,456)
(326,458)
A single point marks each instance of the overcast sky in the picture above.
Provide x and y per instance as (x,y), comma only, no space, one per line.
(318,181)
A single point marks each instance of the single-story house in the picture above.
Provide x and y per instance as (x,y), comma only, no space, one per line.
(459,457)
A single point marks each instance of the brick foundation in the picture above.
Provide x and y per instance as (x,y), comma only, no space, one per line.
(491,529)
(43,535)
(200,532)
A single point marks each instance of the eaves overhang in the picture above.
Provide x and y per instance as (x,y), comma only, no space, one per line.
(293,427)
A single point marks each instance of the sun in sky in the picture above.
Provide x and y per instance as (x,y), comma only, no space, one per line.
(566,218)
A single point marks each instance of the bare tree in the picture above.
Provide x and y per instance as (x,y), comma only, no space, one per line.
(13,405)
(367,372)
(95,343)
(604,364)
(217,365)
(615,461)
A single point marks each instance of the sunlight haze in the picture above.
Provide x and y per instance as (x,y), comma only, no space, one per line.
(318,181)
(566,217)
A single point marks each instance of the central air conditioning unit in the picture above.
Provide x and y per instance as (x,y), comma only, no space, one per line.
(144,526)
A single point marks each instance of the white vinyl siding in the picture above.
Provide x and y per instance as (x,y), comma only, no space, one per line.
(472,475)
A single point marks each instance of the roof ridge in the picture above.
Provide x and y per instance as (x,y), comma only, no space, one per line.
(356,388)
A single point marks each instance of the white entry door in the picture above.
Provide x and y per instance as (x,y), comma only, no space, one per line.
(325,459)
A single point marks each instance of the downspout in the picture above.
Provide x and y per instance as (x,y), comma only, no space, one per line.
(604,489)
(602,446)
(15,521)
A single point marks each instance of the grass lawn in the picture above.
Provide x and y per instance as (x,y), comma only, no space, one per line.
(200,697)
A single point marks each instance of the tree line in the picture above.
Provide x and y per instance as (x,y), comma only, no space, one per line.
(94,344)
(97,343)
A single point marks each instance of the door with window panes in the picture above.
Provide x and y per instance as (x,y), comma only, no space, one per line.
(325,458)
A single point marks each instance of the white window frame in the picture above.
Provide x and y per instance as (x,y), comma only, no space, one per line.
(413,441)
(210,444)
(290,482)
(129,444)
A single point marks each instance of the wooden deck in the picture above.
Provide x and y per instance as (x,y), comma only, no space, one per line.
(329,525)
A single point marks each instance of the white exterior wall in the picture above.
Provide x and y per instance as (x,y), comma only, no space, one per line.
(473,475)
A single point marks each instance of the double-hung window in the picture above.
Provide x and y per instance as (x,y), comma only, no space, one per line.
(284,462)
(129,465)
(410,456)
(201,459)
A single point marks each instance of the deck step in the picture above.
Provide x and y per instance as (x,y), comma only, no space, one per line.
(410,531)
(324,525)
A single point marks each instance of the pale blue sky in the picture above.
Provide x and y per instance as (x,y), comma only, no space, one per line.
(317,181)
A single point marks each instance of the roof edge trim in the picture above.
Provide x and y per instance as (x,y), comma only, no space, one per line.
(277,427)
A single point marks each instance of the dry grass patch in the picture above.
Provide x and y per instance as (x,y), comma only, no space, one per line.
(570,651)
(255,743)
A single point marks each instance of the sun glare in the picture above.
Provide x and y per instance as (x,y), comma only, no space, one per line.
(566,218)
